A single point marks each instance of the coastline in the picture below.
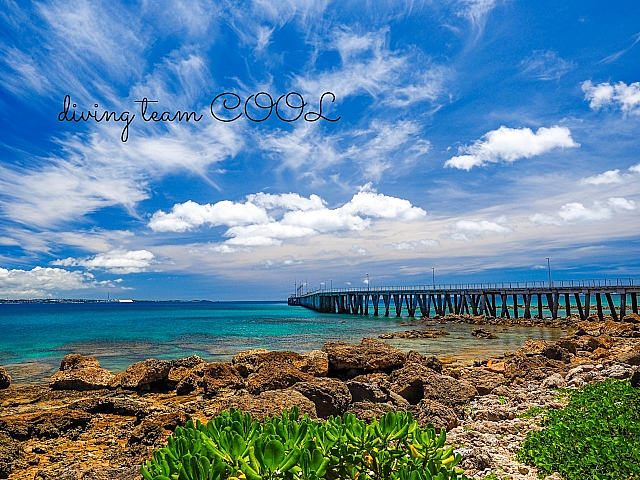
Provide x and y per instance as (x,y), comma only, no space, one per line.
(65,431)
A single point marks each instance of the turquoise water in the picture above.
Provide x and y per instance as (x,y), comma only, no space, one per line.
(35,337)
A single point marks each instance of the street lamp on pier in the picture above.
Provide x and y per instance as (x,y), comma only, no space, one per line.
(549,269)
(367,283)
(433,274)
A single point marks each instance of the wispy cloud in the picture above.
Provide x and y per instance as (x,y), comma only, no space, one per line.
(545,65)
(510,144)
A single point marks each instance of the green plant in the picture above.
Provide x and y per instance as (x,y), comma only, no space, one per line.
(234,446)
(502,399)
(596,436)
(532,412)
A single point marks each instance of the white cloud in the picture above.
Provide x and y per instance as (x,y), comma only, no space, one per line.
(268,219)
(510,144)
(476,10)
(412,245)
(635,168)
(610,176)
(188,215)
(359,250)
(627,97)
(43,282)
(477,228)
(115,261)
(575,212)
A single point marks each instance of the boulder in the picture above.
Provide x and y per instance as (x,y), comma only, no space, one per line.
(589,343)
(88,378)
(187,362)
(250,361)
(483,380)
(191,381)
(370,356)
(5,379)
(617,371)
(315,363)
(156,428)
(431,411)
(142,374)
(449,391)
(275,376)
(554,352)
(431,362)
(631,318)
(631,357)
(366,392)
(75,361)
(408,381)
(330,396)
(532,347)
(535,367)
(608,327)
(554,381)
(221,376)
(266,404)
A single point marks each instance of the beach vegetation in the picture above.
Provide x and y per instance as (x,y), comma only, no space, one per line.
(595,437)
(235,446)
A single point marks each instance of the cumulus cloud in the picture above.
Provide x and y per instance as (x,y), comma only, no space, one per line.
(635,168)
(626,97)
(43,282)
(610,176)
(268,219)
(115,261)
(574,212)
(510,144)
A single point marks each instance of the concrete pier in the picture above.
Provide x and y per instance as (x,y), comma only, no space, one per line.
(506,299)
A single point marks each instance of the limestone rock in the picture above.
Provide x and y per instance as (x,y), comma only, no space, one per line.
(48,424)
(193,380)
(532,347)
(431,362)
(630,358)
(554,381)
(482,333)
(635,378)
(616,371)
(155,429)
(142,374)
(371,355)
(187,362)
(10,451)
(330,396)
(408,381)
(250,361)
(5,379)
(366,392)
(275,376)
(367,411)
(221,376)
(484,380)
(431,411)
(88,378)
(315,363)
(75,361)
(449,391)
(267,404)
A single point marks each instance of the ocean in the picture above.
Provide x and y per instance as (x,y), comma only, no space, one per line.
(35,337)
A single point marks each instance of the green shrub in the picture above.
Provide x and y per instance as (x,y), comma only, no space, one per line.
(596,436)
(234,446)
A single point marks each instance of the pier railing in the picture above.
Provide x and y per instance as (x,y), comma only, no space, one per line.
(595,283)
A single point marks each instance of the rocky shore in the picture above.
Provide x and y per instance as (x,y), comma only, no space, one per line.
(91,424)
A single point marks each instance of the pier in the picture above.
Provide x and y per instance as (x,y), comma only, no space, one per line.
(506,299)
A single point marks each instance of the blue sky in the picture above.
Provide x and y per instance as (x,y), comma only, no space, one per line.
(476,137)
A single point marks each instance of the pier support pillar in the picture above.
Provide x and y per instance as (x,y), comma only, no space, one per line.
(612,307)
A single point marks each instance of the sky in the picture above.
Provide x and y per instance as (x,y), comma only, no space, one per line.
(324,143)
